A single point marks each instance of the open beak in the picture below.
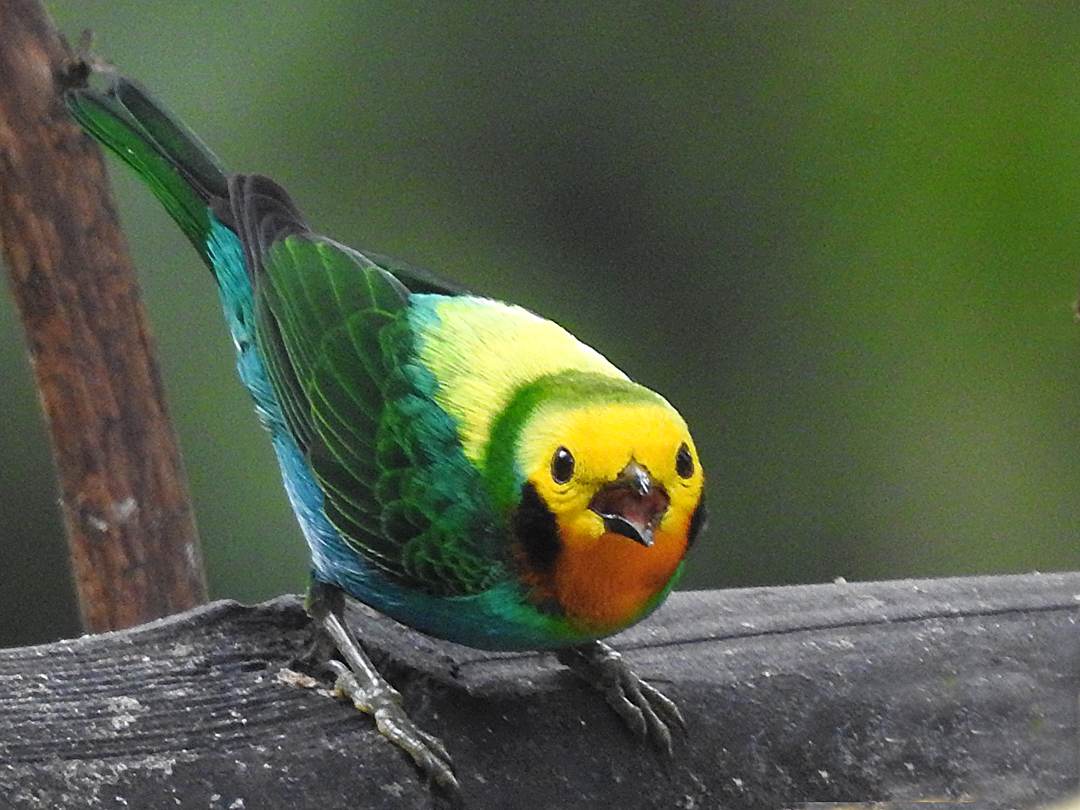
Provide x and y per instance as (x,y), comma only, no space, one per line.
(632,504)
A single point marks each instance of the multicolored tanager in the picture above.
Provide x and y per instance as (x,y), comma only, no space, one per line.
(459,464)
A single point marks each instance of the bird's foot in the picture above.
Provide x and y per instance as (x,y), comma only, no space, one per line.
(359,681)
(648,712)
(384,703)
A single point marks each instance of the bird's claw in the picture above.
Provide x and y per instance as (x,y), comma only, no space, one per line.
(384,703)
(361,683)
(647,711)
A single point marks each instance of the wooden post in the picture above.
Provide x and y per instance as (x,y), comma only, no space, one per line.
(134,548)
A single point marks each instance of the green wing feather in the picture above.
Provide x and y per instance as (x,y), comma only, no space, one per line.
(336,342)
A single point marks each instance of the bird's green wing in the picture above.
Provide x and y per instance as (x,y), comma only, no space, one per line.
(333,331)
(418,279)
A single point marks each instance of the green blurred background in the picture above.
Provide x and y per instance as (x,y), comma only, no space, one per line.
(842,238)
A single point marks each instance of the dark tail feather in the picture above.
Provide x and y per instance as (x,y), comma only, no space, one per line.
(262,213)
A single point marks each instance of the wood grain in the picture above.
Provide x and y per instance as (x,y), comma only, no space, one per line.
(961,688)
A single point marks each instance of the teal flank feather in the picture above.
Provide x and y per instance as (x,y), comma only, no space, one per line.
(393,511)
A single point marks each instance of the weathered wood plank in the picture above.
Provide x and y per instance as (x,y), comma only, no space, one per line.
(892,690)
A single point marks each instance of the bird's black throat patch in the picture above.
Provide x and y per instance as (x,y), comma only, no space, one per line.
(536,531)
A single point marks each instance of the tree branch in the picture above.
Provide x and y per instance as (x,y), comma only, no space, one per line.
(131,533)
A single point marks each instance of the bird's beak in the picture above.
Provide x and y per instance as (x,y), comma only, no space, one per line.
(632,504)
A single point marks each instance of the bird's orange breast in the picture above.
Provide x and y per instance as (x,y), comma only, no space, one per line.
(605,585)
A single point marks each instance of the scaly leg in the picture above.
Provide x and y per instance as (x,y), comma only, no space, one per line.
(645,709)
(370,692)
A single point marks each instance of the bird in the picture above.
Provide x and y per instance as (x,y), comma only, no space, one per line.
(459,464)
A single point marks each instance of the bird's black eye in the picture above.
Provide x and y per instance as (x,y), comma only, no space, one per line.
(562,466)
(684,462)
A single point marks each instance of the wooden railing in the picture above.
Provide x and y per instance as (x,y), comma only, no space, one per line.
(953,689)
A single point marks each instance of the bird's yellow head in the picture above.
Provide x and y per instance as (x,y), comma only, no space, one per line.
(611,502)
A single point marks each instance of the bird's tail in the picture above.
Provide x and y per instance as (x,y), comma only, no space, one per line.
(178,167)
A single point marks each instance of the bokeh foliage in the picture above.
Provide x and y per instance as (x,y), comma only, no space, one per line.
(842,238)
